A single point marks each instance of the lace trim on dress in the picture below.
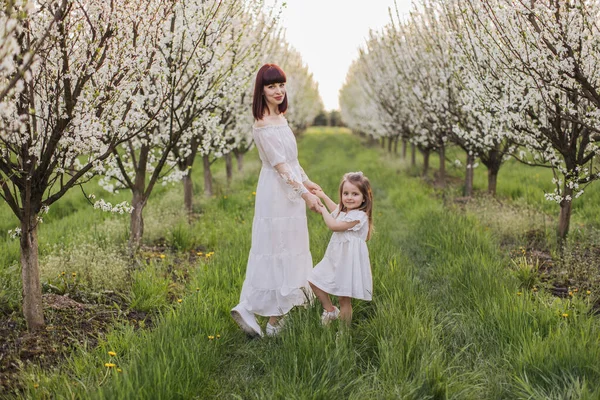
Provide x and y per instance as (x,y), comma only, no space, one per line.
(303,175)
(297,189)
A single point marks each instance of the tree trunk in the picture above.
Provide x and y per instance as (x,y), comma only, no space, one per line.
(413,154)
(188,192)
(30,274)
(390,143)
(239,156)
(208,191)
(228,168)
(404,149)
(425,162)
(442,171)
(493,178)
(395,144)
(136,225)
(566,207)
(383,143)
(470,171)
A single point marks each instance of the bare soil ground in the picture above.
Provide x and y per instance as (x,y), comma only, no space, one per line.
(68,324)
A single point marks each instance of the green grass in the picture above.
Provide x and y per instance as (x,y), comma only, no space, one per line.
(448,320)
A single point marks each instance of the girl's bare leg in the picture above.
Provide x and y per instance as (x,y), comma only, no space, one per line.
(346,309)
(323,298)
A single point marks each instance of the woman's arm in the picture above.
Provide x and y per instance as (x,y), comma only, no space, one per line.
(310,185)
(285,172)
(298,189)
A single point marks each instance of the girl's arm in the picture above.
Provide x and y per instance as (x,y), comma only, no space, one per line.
(336,226)
(328,202)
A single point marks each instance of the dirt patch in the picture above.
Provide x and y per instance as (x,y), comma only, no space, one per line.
(69,323)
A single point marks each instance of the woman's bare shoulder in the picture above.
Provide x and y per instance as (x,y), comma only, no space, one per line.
(261,123)
(270,121)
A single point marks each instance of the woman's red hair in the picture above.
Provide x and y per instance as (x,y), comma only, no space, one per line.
(267,74)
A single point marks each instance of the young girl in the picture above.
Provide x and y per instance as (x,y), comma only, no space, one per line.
(345,270)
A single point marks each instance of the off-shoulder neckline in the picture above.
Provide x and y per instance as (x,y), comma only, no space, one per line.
(269,126)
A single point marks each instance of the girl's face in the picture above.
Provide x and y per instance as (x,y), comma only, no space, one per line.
(274,93)
(351,196)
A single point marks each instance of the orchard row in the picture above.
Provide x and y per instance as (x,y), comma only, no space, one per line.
(498,78)
(134,91)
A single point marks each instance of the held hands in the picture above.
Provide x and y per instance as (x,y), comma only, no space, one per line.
(311,186)
(319,193)
(313,202)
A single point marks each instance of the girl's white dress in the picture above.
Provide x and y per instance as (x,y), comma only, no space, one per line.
(280,259)
(345,270)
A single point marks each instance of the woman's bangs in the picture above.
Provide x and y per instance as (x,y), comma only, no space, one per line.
(273,75)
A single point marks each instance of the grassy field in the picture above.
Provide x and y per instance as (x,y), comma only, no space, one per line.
(525,186)
(450,317)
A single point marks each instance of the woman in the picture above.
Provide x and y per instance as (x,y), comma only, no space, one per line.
(279,260)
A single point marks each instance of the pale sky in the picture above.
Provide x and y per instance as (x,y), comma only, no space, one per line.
(328,34)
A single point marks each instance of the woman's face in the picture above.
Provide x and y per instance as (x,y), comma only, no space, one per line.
(274,93)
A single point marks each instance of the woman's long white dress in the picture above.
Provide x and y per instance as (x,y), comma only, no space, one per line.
(280,259)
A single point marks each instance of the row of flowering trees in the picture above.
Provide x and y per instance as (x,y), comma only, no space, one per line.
(498,78)
(129,90)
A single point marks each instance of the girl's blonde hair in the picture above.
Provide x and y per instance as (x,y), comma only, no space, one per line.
(363,184)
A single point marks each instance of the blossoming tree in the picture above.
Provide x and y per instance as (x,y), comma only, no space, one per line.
(55,132)
(191,74)
(548,53)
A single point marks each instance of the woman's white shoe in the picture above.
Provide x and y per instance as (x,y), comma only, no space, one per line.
(246,320)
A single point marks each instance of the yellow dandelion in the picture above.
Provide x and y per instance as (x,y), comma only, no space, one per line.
(589,292)
(36,385)
(63,273)
(162,256)
(535,289)
(519,293)
(110,365)
(565,315)
(210,337)
(218,336)
(571,294)
(112,354)
(119,370)
(253,193)
(197,289)
(199,253)
(74,274)
(179,300)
